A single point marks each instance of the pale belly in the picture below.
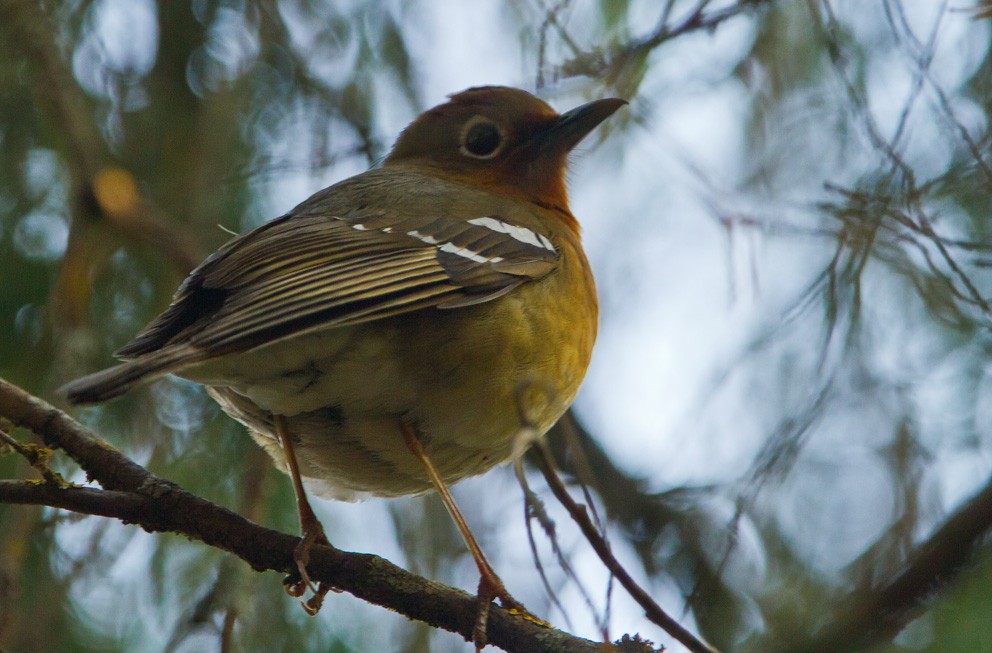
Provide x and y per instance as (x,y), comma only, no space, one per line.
(344,393)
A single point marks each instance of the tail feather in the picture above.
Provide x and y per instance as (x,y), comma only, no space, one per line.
(115,381)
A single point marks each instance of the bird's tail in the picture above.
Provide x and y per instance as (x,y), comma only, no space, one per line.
(115,381)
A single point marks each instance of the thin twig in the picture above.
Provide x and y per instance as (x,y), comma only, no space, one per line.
(36,456)
(535,511)
(580,515)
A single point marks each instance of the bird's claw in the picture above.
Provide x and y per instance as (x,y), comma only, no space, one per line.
(298,581)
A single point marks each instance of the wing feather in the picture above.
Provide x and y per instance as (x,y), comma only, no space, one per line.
(306,272)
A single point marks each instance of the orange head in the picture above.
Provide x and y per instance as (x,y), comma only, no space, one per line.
(502,139)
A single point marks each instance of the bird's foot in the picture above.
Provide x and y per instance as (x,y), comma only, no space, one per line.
(491,587)
(298,582)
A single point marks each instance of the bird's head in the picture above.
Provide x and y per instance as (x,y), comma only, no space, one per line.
(502,139)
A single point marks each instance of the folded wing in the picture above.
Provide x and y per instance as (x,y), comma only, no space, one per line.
(307,272)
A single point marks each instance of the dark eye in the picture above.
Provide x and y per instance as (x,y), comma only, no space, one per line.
(481,138)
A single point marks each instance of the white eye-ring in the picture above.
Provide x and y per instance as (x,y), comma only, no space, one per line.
(481,138)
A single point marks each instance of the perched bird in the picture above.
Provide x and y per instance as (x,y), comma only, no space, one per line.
(396,331)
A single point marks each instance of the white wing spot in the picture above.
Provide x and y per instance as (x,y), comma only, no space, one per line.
(451,248)
(427,238)
(522,234)
(359,227)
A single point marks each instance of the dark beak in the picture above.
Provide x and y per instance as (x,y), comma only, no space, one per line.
(572,126)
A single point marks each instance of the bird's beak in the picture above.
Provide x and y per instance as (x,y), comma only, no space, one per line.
(572,126)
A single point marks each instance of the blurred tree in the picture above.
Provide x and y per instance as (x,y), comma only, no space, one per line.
(786,429)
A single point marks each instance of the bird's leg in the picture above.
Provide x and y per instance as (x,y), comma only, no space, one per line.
(490,584)
(310,528)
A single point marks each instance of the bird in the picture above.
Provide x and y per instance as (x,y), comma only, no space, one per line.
(395,332)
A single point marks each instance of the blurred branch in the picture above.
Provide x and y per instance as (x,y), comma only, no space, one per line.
(980,11)
(931,569)
(880,211)
(102,194)
(29,31)
(612,65)
(135,496)
(695,20)
(114,194)
(878,617)
(923,55)
(223,600)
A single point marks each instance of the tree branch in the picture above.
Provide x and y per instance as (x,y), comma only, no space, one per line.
(608,64)
(931,569)
(580,516)
(101,193)
(871,619)
(134,495)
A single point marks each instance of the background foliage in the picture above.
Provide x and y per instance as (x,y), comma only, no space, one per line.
(790,229)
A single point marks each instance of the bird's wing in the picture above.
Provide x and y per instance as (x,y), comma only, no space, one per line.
(305,272)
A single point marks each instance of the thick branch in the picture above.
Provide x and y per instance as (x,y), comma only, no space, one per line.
(99,460)
(134,495)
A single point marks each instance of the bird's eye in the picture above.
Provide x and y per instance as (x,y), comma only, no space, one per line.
(481,138)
